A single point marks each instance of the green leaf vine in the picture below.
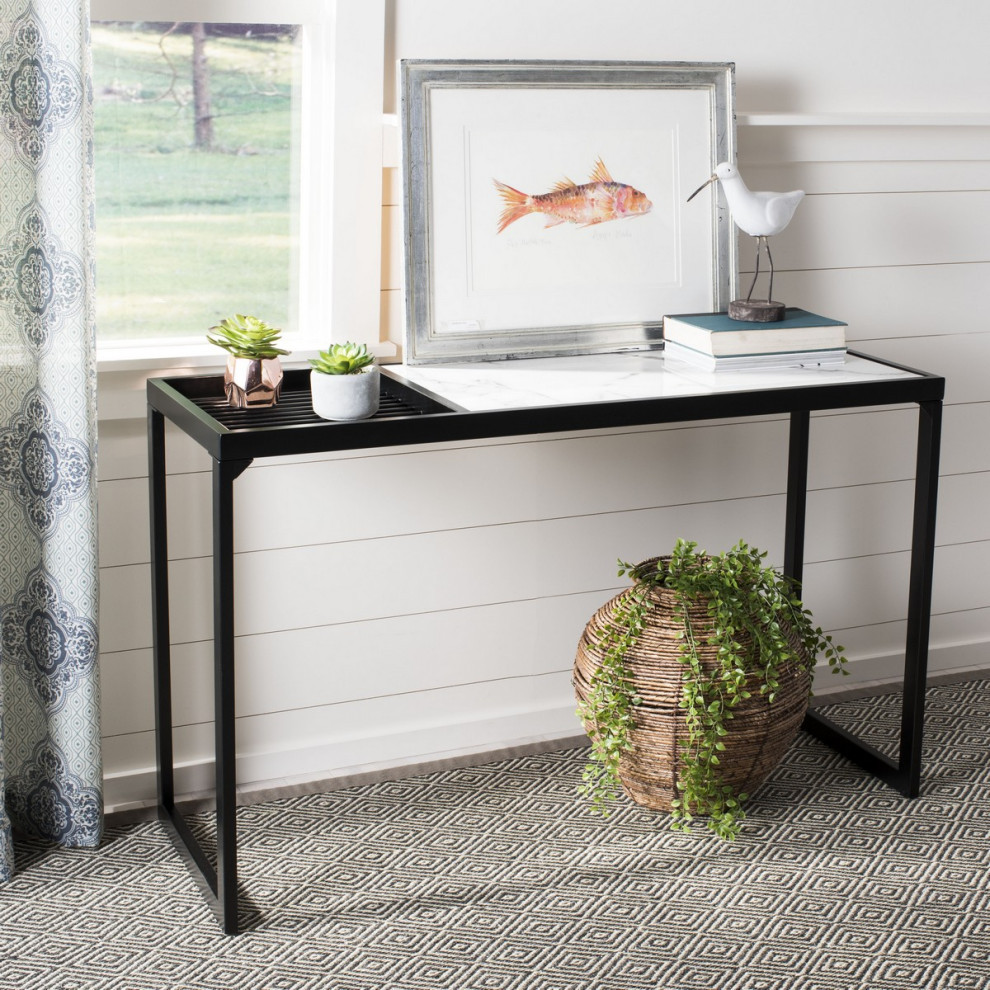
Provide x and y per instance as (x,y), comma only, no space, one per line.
(758,624)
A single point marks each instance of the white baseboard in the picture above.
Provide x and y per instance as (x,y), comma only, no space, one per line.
(887,671)
(410,751)
(331,764)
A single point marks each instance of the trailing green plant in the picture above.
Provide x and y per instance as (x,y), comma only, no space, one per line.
(342,359)
(608,709)
(246,337)
(758,624)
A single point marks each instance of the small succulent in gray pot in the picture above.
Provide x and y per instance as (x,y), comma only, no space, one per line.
(344,382)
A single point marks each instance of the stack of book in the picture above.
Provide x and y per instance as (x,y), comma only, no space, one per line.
(713,341)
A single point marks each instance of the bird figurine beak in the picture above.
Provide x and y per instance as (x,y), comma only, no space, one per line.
(707,182)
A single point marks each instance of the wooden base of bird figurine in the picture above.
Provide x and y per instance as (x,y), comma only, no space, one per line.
(756,310)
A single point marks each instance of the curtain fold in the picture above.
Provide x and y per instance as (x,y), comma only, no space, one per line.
(50,761)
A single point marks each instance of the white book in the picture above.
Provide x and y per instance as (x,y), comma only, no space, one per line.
(822,358)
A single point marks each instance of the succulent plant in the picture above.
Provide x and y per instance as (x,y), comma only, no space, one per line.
(342,359)
(246,337)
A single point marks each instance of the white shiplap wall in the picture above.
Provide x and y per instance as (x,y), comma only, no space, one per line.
(402,605)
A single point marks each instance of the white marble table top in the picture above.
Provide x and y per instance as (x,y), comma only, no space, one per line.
(608,377)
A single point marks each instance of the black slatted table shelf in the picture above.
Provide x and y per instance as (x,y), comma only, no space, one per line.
(411,414)
(198,404)
(295,407)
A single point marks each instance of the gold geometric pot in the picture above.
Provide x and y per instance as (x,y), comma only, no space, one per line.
(758,735)
(251,382)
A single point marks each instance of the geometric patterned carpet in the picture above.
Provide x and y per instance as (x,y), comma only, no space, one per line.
(498,877)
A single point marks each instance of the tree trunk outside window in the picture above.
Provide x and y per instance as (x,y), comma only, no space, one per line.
(203,138)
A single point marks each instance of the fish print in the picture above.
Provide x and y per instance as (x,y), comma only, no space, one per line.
(599,199)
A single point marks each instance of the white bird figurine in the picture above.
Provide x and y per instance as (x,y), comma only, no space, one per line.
(759,214)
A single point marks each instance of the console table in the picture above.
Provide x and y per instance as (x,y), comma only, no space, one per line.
(437,404)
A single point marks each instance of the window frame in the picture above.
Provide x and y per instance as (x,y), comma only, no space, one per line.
(339,273)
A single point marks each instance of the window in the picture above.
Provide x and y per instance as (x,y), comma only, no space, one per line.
(333,282)
(197,175)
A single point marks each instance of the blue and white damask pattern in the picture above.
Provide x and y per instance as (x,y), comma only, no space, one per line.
(42,92)
(42,463)
(48,641)
(40,283)
(50,764)
(48,799)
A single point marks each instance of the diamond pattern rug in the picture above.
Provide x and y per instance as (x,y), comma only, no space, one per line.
(498,877)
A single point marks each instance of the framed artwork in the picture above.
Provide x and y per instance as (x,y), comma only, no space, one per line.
(545,204)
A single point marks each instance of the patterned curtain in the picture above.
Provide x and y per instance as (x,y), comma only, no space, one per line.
(50,763)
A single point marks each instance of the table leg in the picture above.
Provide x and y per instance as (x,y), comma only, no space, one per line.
(224,473)
(797,494)
(218,884)
(161,645)
(920,594)
(904,774)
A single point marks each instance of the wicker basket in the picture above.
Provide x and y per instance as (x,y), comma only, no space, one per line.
(758,734)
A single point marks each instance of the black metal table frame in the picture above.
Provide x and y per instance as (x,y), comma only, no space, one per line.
(188,402)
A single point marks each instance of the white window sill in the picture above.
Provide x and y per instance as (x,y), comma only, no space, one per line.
(135,357)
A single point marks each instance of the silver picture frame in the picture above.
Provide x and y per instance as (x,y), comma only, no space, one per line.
(486,278)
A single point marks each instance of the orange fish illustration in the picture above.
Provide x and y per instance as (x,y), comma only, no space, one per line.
(599,199)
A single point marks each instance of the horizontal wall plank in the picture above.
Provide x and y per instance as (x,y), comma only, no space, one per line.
(124,518)
(957,497)
(855,231)
(123,450)
(438,720)
(960,358)
(876,519)
(862,447)
(823,177)
(872,590)
(966,628)
(964,429)
(895,145)
(928,300)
